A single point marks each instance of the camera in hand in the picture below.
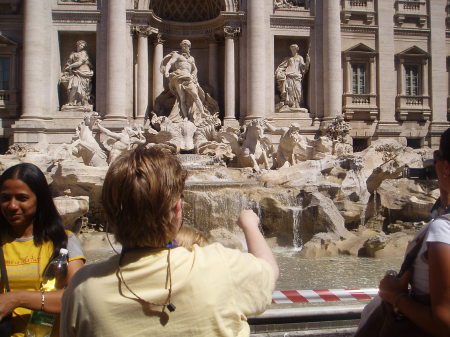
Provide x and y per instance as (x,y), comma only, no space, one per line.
(427,172)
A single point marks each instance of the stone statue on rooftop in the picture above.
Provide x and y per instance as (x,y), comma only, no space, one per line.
(77,78)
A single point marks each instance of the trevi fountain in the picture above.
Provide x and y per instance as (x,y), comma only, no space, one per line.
(325,209)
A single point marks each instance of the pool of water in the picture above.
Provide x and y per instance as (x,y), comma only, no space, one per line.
(298,273)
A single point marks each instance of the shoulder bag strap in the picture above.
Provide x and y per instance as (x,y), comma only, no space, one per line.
(3,270)
(411,256)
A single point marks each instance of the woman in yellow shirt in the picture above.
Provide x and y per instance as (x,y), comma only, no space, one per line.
(32,233)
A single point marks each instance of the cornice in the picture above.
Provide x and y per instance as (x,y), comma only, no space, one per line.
(81,16)
(291,22)
(412,32)
(359,29)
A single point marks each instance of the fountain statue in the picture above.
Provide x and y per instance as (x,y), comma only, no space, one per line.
(191,101)
(289,76)
(123,141)
(77,78)
(85,145)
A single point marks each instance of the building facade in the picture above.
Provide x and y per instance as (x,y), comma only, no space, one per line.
(382,64)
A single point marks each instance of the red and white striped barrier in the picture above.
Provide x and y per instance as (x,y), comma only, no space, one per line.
(322,295)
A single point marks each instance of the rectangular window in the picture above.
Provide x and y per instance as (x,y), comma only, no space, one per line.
(4,73)
(358,78)
(412,80)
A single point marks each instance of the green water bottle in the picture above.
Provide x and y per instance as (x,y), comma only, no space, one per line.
(54,278)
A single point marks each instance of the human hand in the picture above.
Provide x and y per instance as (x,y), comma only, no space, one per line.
(247,219)
(391,287)
(7,304)
(166,74)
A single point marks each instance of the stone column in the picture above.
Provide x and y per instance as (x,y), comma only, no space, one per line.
(230,79)
(212,65)
(36,59)
(332,59)
(388,75)
(116,50)
(158,78)
(438,52)
(143,33)
(256,40)
(425,78)
(373,77)
(348,82)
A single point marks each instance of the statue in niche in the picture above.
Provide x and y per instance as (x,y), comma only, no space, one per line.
(289,76)
(123,141)
(77,78)
(192,102)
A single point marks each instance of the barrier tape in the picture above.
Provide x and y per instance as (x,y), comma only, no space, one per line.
(322,295)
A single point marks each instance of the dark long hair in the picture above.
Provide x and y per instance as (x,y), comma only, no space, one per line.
(444,145)
(47,223)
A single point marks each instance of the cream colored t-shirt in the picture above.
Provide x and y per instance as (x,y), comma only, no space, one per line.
(214,290)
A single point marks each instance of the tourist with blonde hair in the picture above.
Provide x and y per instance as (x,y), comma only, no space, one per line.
(187,237)
(154,287)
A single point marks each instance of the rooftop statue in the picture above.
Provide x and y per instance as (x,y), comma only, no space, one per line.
(192,102)
(77,78)
(289,76)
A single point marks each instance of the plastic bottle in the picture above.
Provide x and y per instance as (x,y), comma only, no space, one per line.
(54,278)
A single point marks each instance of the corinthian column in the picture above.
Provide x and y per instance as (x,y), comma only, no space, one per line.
(143,33)
(36,57)
(230,79)
(256,49)
(332,59)
(158,79)
(116,60)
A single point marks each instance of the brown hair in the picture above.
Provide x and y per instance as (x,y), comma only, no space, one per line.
(141,189)
(188,236)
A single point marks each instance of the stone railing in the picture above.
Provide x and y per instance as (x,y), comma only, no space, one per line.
(411,9)
(413,107)
(359,7)
(360,106)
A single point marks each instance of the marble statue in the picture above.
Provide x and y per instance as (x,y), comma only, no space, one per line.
(176,136)
(121,141)
(251,146)
(77,78)
(339,133)
(289,76)
(192,103)
(293,147)
(85,146)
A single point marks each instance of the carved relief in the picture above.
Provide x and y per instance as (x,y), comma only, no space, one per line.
(277,4)
(231,32)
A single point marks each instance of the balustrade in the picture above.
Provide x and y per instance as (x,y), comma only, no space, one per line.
(411,9)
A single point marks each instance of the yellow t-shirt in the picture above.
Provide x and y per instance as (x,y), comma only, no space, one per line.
(25,264)
(214,289)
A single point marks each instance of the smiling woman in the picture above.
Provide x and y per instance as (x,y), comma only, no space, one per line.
(32,234)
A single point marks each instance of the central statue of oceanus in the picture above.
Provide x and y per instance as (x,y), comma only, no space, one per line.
(191,101)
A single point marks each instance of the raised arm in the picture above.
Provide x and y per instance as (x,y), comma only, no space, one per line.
(256,243)
(108,132)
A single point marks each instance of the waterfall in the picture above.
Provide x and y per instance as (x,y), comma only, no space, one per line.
(297,241)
